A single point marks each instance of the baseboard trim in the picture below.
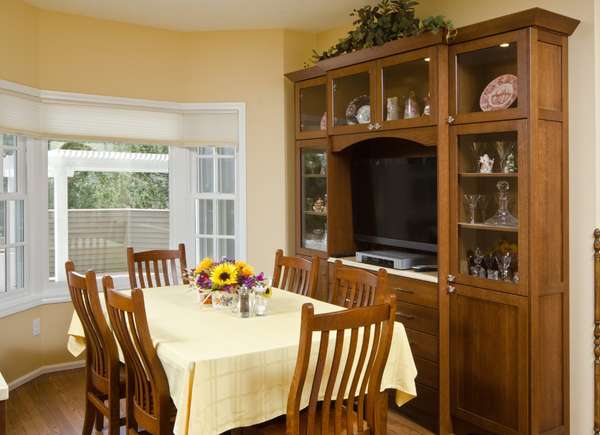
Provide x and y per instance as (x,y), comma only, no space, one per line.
(44,370)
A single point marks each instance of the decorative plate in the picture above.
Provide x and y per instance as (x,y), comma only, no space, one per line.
(323,125)
(353,107)
(499,94)
(363,114)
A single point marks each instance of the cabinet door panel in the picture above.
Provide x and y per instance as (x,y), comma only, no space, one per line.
(489,359)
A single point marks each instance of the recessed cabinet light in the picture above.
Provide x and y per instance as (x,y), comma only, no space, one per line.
(427,59)
(505,44)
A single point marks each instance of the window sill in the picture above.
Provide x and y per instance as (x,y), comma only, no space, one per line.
(54,293)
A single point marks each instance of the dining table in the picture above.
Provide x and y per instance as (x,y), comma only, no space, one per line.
(225,371)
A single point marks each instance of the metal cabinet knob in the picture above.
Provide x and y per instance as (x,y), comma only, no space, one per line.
(371,127)
(450,119)
(451,289)
(451,278)
(377,126)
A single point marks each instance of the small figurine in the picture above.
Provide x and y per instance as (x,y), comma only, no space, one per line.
(510,165)
(486,164)
(319,206)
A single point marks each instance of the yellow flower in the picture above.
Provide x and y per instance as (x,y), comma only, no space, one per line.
(247,270)
(204,265)
(224,274)
(240,264)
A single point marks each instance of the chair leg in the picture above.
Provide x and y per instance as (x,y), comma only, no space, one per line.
(99,421)
(88,420)
(114,420)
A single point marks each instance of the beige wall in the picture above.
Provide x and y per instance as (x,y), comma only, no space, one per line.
(21,352)
(70,53)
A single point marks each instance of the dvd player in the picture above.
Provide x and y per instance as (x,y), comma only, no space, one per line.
(394,259)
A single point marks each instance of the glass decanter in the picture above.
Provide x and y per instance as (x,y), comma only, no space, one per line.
(503,217)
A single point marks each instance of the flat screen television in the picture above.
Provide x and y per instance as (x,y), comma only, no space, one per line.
(394,199)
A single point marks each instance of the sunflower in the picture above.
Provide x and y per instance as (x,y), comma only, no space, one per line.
(224,274)
(204,265)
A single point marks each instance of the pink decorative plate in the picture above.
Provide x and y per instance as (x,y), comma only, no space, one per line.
(499,94)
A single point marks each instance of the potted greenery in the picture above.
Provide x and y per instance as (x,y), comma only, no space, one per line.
(384,22)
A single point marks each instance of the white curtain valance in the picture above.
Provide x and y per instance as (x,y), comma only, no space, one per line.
(59,116)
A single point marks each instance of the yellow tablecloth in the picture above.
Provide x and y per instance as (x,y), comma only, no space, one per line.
(226,372)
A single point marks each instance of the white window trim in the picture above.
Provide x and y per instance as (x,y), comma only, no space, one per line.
(38,289)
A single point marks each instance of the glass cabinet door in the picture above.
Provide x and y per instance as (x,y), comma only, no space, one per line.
(488,206)
(352,99)
(313,197)
(311,108)
(407,89)
(490,78)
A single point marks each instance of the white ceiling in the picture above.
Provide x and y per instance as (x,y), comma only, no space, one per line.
(199,15)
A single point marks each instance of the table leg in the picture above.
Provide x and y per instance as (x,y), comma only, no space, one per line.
(3,417)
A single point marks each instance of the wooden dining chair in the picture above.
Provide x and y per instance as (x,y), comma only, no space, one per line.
(361,340)
(149,404)
(105,378)
(357,287)
(147,267)
(296,274)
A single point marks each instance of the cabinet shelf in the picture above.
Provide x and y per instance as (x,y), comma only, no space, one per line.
(314,176)
(499,228)
(314,213)
(492,175)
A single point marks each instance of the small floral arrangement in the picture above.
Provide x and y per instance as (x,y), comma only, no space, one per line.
(226,275)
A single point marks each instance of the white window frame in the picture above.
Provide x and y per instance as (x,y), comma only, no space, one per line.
(214,197)
(38,289)
(21,298)
(183,180)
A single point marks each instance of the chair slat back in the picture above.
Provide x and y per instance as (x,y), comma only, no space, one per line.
(350,373)
(357,287)
(157,268)
(295,274)
(102,351)
(146,378)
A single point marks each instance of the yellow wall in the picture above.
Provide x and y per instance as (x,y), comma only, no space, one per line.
(70,53)
(18,42)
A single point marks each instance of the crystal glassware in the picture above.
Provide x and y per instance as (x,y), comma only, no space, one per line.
(476,149)
(505,151)
(504,262)
(260,301)
(503,217)
(478,269)
(484,201)
(471,201)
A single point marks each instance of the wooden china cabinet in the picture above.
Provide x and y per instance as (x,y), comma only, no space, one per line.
(490,333)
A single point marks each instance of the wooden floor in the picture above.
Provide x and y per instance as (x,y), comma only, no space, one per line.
(53,404)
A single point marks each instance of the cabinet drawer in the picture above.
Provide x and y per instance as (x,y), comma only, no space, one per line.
(417,317)
(414,291)
(427,373)
(423,345)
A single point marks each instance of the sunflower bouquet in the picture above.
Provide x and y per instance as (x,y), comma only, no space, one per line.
(226,275)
